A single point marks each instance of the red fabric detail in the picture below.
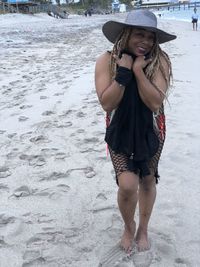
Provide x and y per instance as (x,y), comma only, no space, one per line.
(160,119)
(107,124)
(107,120)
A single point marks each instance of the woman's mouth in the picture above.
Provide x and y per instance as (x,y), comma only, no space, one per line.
(142,50)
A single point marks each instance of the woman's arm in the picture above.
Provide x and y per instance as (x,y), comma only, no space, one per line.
(109,92)
(151,93)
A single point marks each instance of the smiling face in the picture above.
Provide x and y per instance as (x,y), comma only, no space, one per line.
(141,41)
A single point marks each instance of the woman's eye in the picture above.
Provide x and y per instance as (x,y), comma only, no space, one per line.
(139,34)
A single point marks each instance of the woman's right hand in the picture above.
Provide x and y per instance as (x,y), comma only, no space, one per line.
(109,91)
(125,61)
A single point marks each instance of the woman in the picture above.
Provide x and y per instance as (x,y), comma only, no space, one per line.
(131,83)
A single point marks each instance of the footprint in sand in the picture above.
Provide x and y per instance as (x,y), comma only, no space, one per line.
(101,196)
(80,114)
(2,242)
(54,192)
(80,131)
(40,261)
(55,176)
(88,150)
(11,227)
(4,187)
(4,172)
(41,89)
(182,262)
(89,172)
(91,140)
(100,113)
(25,106)
(58,94)
(43,97)
(23,118)
(23,191)
(2,131)
(142,259)
(61,156)
(49,152)
(53,236)
(33,160)
(48,113)
(94,123)
(37,218)
(65,125)
(162,247)
(36,161)
(115,257)
(5,219)
(31,255)
(66,113)
(39,139)
(11,135)
(25,136)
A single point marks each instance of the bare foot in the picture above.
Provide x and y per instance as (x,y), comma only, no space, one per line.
(128,237)
(142,240)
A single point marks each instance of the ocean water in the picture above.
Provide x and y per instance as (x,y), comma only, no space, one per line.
(176,14)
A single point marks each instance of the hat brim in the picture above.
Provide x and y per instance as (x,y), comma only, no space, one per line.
(112,29)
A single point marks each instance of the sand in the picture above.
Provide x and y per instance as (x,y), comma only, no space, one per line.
(57,186)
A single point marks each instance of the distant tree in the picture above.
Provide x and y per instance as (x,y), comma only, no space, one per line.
(97,3)
(127,2)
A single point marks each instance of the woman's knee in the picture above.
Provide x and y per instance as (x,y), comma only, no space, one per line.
(148,182)
(128,183)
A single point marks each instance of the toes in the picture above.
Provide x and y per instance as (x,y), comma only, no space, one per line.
(127,249)
(141,248)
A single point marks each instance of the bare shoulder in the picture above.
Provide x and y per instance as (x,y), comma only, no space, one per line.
(162,76)
(102,73)
(165,68)
(103,59)
(102,68)
(165,60)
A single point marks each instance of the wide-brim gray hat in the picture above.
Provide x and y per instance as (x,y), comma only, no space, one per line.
(140,19)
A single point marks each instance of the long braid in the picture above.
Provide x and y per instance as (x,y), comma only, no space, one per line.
(120,44)
(156,64)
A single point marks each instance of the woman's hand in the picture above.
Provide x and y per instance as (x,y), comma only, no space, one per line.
(140,63)
(151,93)
(125,61)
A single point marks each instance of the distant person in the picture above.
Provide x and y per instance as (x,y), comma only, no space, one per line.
(49,13)
(195,19)
(89,13)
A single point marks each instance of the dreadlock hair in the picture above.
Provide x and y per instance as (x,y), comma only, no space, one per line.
(156,54)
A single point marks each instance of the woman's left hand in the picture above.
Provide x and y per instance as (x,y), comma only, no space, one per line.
(140,63)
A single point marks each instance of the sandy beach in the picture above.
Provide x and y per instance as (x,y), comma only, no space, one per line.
(57,187)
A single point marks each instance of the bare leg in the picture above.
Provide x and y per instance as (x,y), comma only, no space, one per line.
(127,201)
(147,196)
